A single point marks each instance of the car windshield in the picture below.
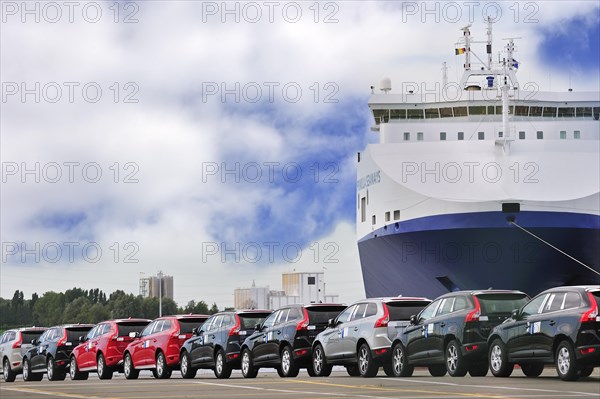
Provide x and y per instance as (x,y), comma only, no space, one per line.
(321,314)
(249,320)
(28,336)
(501,304)
(187,325)
(402,310)
(124,328)
(73,333)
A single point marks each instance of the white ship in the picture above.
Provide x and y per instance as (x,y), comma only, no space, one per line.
(480,184)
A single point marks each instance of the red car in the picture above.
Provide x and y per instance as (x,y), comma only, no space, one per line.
(102,348)
(157,347)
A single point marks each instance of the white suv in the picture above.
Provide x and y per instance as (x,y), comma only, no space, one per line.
(13,345)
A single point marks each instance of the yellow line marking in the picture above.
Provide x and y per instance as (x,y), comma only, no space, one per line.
(51,393)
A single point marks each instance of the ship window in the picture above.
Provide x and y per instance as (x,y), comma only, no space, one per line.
(415,114)
(380,115)
(521,110)
(521,135)
(549,112)
(540,135)
(396,215)
(460,111)
(446,112)
(535,111)
(477,110)
(481,135)
(583,112)
(461,135)
(511,110)
(565,112)
(406,136)
(374,219)
(596,113)
(363,209)
(442,135)
(563,135)
(576,134)
(398,114)
(387,216)
(490,109)
(419,136)
(500,134)
(432,113)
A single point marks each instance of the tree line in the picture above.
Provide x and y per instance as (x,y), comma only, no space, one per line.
(87,306)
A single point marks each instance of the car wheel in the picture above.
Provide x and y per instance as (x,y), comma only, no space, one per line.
(129,369)
(28,375)
(222,369)
(478,370)
(353,371)
(437,370)
(565,362)
(400,365)
(74,372)
(532,370)
(586,372)
(52,371)
(7,373)
(455,362)
(319,363)
(185,366)
(162,369)
(104,372)
(366,365)
(310,370)
(288,366)
(498,360)
(248,369)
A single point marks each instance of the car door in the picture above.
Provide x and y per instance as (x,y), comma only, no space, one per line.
(3,345)
(94,345)
(352,331)
(275,336)
(520,342)
(415,335)
(197,351)
(209,337)
(333,337)
(261,338)
(38,362)
(442,324)
(141,353)
(549,321)
(85,359)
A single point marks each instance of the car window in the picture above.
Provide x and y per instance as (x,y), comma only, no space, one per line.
(148,329)
(572,300)
(52,335)
(92,333)
(270,321)
(554,302)
(167,324)
(282,316)
(294,314)
(215,324)
(460,303)
(346,314)
(4,338)
(534,306)
(227,321)
(360,312)
(446,306)
(371,310)
(43,336)
(429,311)
(207,324)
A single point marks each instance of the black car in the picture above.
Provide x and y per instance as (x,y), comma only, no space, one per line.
(450,335)
(50,352)
(284,340)
(561,326)
(216,344)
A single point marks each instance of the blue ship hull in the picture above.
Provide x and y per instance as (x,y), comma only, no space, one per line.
(433,255)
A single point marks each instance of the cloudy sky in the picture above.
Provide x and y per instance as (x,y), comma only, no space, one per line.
(217,141)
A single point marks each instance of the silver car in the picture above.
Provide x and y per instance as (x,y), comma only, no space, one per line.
(13,345)
(361,336)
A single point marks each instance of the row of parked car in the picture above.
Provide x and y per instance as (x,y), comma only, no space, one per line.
(457,333)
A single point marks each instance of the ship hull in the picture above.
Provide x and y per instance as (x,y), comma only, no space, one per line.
(433,255)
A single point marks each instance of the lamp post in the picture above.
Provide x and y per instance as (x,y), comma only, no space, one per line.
(160,274)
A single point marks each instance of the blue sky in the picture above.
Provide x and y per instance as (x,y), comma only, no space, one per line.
(171,133)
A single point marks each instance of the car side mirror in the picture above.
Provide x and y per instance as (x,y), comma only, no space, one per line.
(331,323)
(413,320)
(34,341)
(258,327)
(195,331)
(514,314)
(134,334)
(82,339)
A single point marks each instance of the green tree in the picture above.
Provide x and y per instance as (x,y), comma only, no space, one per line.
(48,309)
